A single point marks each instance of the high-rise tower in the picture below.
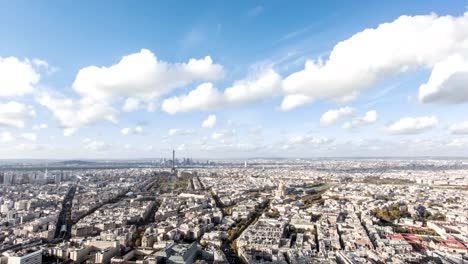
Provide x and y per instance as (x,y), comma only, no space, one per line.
(173,161)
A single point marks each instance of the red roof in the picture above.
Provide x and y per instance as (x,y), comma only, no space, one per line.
(396,236)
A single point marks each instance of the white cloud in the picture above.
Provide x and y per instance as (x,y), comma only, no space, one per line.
(125,131)
(458,143)
(69,131)
(209,122)
(459,128)
(181,147)
(308,139)
(141,75)
(357,63)
(294,100)
(369,118)
(139,78)
(305,141)
(371,55)
(267,83)
(335,115)
(40,126)
(217,135)
(180,132)
(138,129)
(15,114)
(151,107)
(17,77)
(447,83)
(95,145)
(136,77)
(172,131)
(231,147)
(76,114)
(131,104)
(6,137)
(206,97)
(412,125)
(223,135)
(29,136)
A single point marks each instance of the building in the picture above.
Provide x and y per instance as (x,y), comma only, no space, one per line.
(280,191)
(179,253)
(34,257)
(105,255)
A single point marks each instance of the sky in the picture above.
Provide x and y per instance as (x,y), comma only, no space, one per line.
(233,79)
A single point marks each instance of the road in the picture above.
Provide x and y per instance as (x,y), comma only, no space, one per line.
(64,222)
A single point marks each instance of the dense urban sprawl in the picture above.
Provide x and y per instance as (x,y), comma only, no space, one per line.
(260,211)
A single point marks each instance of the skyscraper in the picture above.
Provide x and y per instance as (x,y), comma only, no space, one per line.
(173,162)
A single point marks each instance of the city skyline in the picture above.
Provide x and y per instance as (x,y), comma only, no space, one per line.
(236,80)
(233,132)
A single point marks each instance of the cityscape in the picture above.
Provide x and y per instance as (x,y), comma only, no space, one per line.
(233,132)
(253,211)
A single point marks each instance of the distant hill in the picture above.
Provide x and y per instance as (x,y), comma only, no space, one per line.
(74,163)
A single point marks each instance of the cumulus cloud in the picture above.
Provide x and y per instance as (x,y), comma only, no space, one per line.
(138,129)
(223,135)
(73,115)
(6,137)
(142,75)
(127,130)
(209,122)
(335,115)
(138,77)
(439,43)
(294,100)
(206,97)
(69,131)
(267,83)
(151,107)
(447,83)
(180,132)
(15,114)
(368,118)
(409,42)
(17,77)
(459,128)
(306,140)
(95,145)
(131,104)
(412,125)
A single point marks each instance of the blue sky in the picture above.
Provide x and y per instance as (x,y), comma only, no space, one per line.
(113,79)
